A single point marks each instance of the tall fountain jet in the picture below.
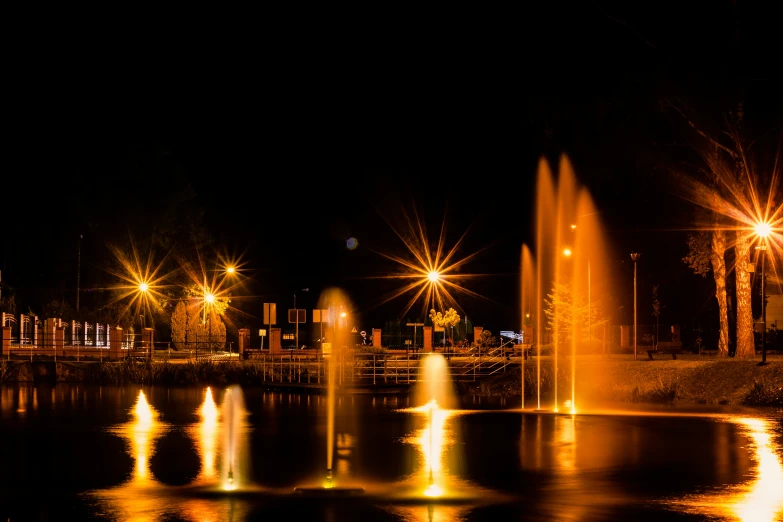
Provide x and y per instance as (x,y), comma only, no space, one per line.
(233,423)
(564,281)
(341,316)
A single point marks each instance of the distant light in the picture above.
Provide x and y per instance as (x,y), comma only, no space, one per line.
(143,287)
(352,243)
(763,229)
(209,298)
(527,315)
(231,270)
(433,276)
(343,314)
(573,227)
(566,252)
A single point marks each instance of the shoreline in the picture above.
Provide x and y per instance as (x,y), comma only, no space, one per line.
(691,379)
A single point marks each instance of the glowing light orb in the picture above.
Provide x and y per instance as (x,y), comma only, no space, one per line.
(209,298)
(352,243)
(763,229)
(143,287)
(567,252)
(433,491)
(433,276)
(231,270)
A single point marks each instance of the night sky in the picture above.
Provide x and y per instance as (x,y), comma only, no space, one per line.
(284,149)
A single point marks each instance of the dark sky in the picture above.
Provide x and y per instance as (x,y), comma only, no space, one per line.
(316,133)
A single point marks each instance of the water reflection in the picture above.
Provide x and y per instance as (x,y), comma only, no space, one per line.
(138,500)
(206,438)
(430,513)
(758,500)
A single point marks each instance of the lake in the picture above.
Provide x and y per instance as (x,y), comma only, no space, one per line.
(133,453)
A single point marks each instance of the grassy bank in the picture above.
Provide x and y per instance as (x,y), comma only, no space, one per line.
(688,380)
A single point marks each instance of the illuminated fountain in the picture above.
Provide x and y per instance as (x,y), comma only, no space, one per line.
(339,308)
(435,480)
(234,450)
(564,282)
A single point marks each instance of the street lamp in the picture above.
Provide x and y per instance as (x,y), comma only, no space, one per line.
(763,230)
(209,300)
(634,257)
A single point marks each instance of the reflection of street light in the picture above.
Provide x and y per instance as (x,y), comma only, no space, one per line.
(230,270)
(763,230)
(634,257)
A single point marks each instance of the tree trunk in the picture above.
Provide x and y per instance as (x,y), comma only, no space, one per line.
(718,247)
(745,344)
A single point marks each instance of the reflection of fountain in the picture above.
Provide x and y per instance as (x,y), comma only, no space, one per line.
(569,256)
(142,433)
(433,482)
(206,439)
(138,498)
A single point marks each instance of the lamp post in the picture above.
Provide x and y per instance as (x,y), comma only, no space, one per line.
(763,230)
(209,299)
(634,257)
(78,269)
(143,288)
(296,313)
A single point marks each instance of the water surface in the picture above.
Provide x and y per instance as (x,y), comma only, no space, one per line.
(76,452)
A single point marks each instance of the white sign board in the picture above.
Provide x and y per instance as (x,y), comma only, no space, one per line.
(326,348)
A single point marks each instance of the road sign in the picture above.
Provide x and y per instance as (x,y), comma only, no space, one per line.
(320,316)
(270,313)
(363,333)
(326,348)
(293,313)
(262,332)
(354,330)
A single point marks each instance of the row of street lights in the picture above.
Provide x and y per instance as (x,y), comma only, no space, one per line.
(208,299)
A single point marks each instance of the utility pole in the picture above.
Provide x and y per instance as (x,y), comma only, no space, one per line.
(296,313)
(634,257)
(78,270)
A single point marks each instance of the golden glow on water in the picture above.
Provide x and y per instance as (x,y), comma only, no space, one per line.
(207,441)
(758,500)
(142,432)
(431,442)
(429,513)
